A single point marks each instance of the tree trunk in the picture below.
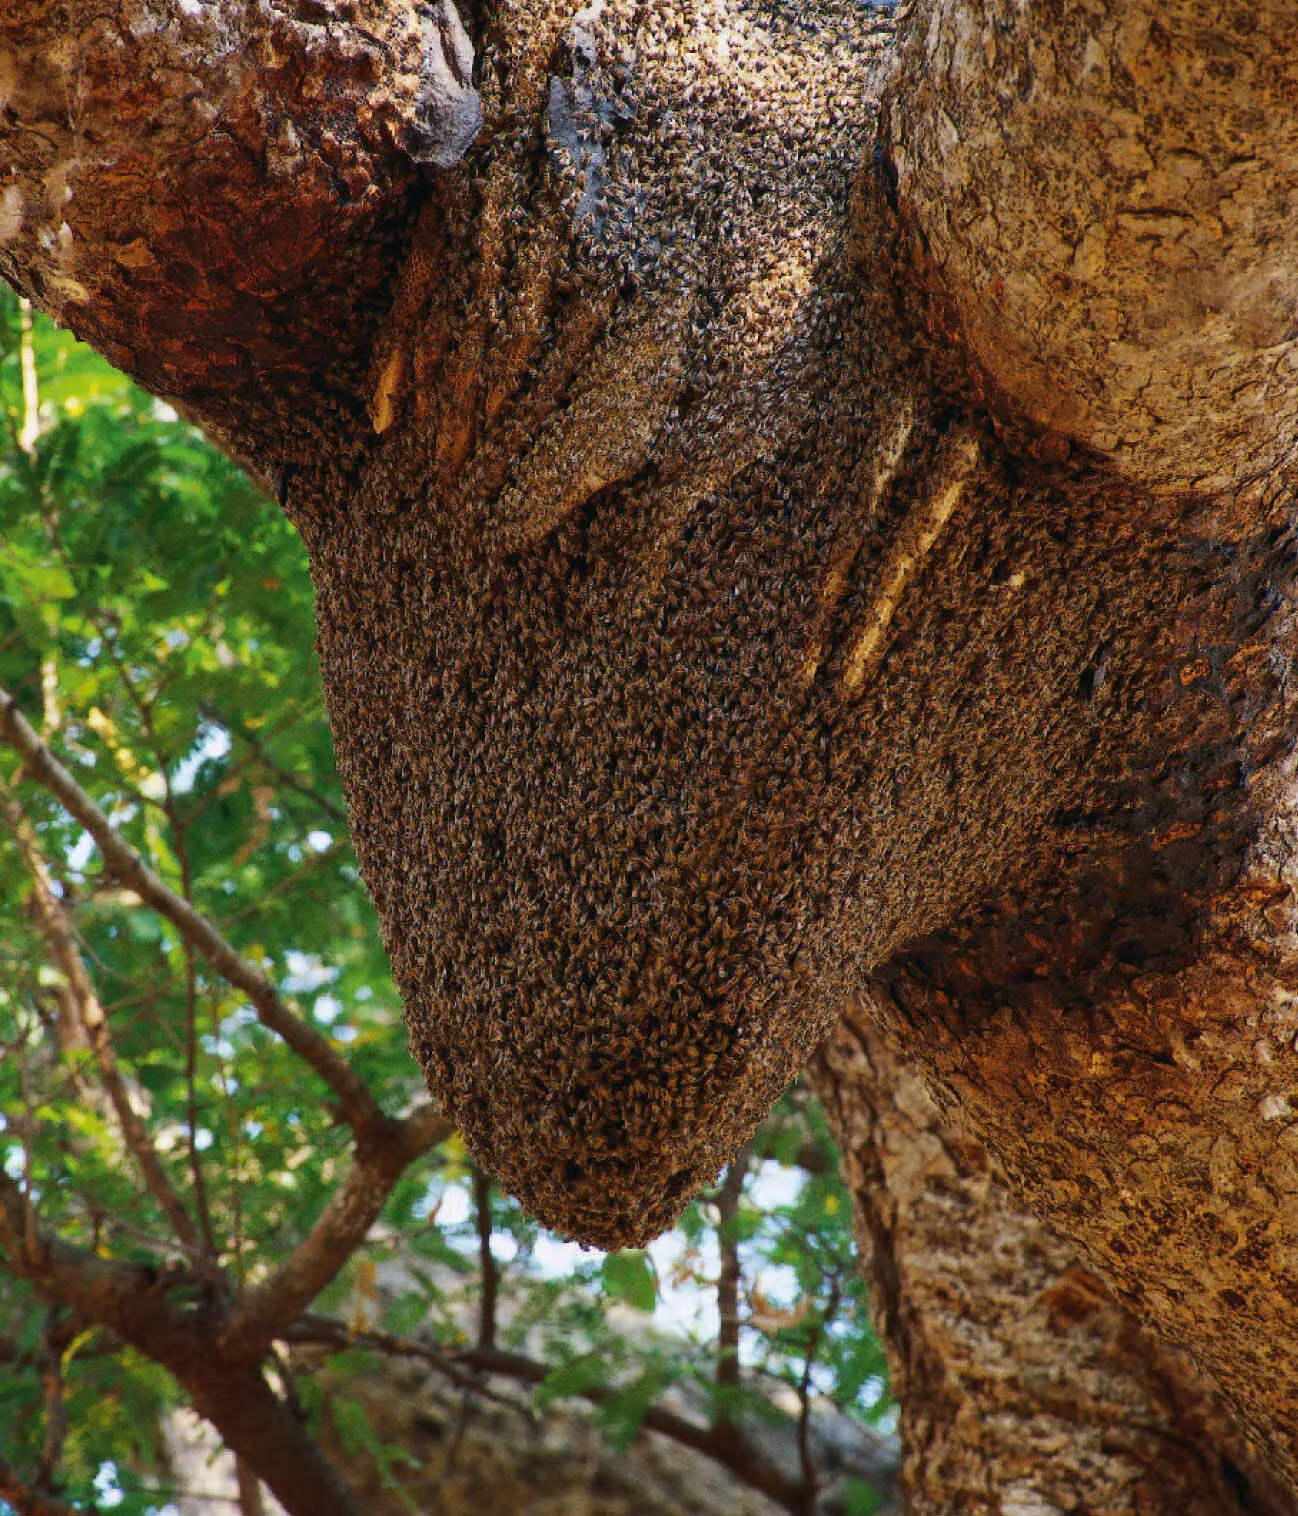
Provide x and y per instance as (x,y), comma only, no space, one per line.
(745,576)
(1024,1387)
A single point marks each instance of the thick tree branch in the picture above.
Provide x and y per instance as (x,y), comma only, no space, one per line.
(128,1298)
(262,1431)
(213,196)
(136,1301)
(356,1104)
(1100,197)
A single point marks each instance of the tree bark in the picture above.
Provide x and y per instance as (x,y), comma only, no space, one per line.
(705,636)
(214,194)
(1024,1387)
(1101,196)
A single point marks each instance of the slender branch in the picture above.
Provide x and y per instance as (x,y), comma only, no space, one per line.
(201,1202)
(810,1477)
(323,1331)
(56,927)
(737,1455)
(805,1460)
(197,1176)
(339,1230)
(728,1288)
(162,760)
(56,1410)
(290,780)
(100,1217)
(356,1104)
(486,1260)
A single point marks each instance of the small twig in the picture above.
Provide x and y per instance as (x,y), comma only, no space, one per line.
(292,880)
(486,1260)
(292,782)
(357,1105)
(324,1331)
(99,1215)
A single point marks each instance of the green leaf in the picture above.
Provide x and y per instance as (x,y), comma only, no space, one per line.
(572,1378)
(859,1498)
(629,1276)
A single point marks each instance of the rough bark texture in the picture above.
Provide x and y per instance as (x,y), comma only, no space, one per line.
(214,194)
(699,648)
(1107,193)
(1025,1389)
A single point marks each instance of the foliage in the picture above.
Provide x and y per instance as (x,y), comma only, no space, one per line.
(155,626)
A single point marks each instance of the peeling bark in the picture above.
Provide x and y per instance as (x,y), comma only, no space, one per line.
(1025,1388)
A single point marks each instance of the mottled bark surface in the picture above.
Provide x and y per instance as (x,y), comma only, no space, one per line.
(215,194)
(703,641)
(1104,196)
(1026,1390)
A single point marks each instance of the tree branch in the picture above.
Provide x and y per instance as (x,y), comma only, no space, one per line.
(737,1455)
(728,1291)
(56,1410)
(1116,295)
(339,1230)
(135,1301)
(250,1501)
(294,172)
(486,1259)
(56,927)
(130,1299)
(27,1501)
(356,1105)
